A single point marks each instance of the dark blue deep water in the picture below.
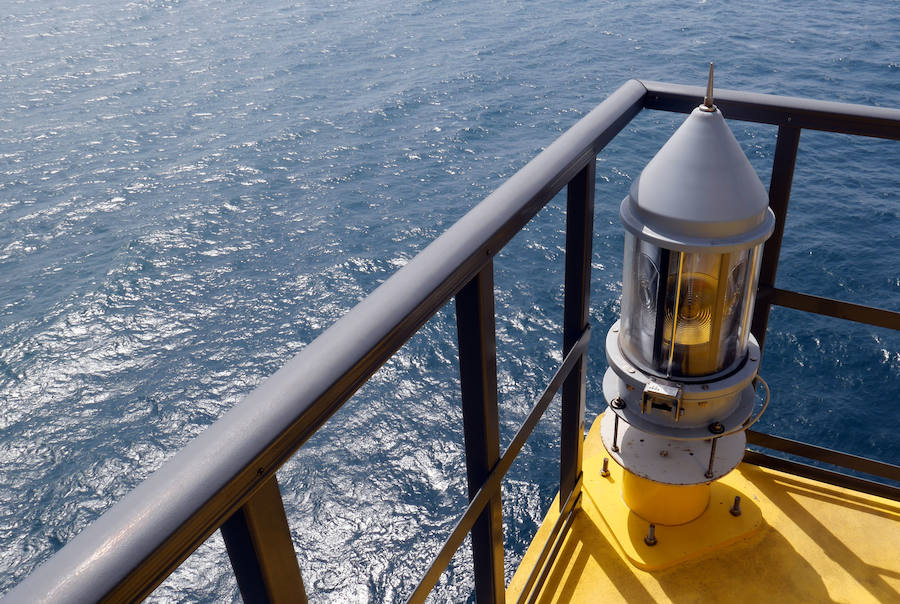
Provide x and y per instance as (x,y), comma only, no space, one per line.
(191,191)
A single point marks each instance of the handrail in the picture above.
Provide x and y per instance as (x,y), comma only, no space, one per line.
(132,547)
(140,540)
(818,305)
(828,116)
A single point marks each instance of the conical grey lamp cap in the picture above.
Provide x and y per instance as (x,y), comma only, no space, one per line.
(699,191)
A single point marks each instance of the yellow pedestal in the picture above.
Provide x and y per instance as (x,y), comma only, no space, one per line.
(664,504)
(713,529)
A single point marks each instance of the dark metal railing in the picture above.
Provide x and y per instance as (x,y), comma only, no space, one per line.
(225,478)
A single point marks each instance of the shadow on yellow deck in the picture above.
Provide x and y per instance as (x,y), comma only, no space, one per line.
(813,543)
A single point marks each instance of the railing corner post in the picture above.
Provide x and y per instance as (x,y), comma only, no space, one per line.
(579,239)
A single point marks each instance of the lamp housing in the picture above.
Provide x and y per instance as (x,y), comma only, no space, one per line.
(683,363)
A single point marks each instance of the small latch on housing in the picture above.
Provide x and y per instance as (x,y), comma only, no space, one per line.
(665,397)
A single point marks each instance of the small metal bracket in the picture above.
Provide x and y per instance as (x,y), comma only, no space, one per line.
(666,397)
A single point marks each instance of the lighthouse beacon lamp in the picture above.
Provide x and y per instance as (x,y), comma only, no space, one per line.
(682,377)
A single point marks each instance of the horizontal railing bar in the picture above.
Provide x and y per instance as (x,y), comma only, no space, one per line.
(861,120)
(538,573)
(822,475)
(829,456)
(832,308)
(491,485)
(138,542)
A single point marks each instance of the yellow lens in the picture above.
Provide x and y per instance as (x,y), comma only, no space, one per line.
(695,325)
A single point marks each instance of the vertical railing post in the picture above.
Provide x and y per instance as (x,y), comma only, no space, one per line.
(259,545)
(579,237)
(779,194)
(481,426)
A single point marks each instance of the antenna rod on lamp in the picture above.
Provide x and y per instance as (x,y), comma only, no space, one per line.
(708,99)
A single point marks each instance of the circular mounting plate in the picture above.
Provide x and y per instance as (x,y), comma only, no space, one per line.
(669,461)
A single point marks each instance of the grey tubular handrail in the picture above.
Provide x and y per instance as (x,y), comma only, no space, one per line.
(828,116)
(138,542)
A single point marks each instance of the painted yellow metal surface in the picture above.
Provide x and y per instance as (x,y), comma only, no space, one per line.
(815,543)
(714,529)
(665,504)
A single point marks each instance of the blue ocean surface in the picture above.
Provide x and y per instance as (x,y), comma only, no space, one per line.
(191,191)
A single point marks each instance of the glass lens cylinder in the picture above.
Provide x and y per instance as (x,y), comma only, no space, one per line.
(686,314)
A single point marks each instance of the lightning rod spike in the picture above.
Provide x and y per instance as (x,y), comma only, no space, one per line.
(708,99)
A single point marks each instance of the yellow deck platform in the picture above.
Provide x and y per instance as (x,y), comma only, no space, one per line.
(815,543)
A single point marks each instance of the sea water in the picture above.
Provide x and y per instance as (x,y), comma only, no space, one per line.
(191,191)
